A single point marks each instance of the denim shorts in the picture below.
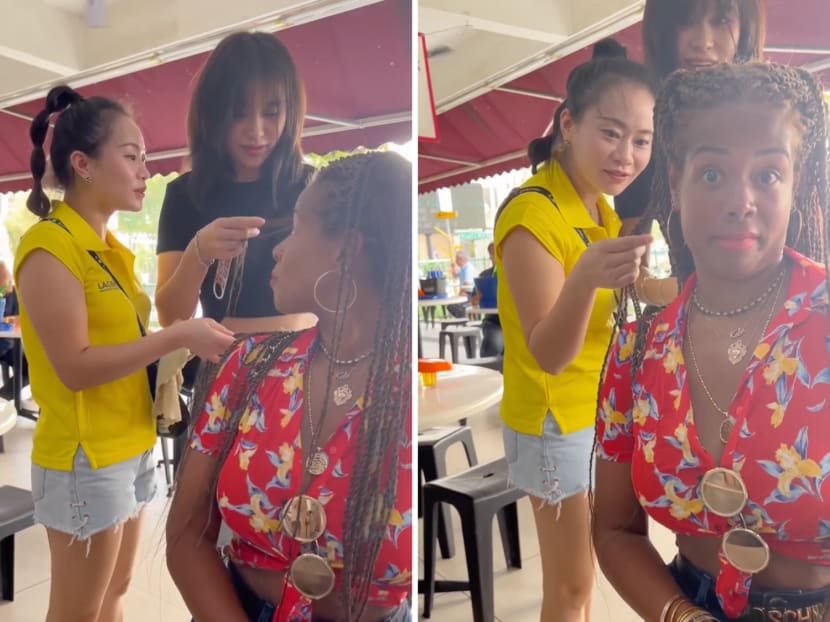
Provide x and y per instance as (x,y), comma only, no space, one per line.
(768,606)
(260,610)
(86,501)
(553,466)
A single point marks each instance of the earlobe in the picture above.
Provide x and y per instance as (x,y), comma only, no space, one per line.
(566,125)
(80,164)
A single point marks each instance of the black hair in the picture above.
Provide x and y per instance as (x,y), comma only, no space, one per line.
(587,83)
(84,126)
(663,20)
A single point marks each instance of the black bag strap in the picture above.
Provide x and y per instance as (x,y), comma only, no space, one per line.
(106,269)
(547,194)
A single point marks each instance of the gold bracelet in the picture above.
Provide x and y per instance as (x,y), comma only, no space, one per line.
(672,603)
(205,263)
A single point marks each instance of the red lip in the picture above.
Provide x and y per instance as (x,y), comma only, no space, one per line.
(738,241)
(618,175)
(254,150)
(699,63)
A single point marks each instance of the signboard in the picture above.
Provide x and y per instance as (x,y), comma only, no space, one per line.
(427,119)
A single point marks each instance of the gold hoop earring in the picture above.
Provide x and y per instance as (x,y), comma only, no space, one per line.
(317,298)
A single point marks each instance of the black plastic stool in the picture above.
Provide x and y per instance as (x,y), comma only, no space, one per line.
(17,512)
(432,463)
(478,495)
(471,336)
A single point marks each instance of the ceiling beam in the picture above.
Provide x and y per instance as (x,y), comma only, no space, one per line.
(508,28)
(40,36)
(631,14)
(270,22)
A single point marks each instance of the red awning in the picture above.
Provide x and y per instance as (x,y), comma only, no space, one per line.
(356,66)
(489,134)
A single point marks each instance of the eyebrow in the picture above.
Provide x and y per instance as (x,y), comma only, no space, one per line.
(619,123)
(725,152)
(136,145)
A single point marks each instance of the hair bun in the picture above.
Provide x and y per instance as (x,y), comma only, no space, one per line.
(61,97)
(609,48)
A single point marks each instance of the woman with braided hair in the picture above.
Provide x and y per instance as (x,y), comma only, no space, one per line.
(303,446)
(83,316)
(711,413)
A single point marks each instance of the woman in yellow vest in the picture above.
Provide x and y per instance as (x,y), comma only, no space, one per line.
(83,314)
(560,260)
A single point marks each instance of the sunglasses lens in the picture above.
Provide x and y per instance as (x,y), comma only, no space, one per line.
(303,518)
(723,492)
(312,576)
(746,550)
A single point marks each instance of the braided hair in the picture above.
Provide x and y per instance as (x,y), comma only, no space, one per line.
(368,193)
(683,94)
(84,126)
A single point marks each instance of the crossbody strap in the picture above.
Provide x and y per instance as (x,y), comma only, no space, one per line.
(106,269)
(547,194)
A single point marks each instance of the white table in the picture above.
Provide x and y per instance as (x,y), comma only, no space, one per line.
(462,393)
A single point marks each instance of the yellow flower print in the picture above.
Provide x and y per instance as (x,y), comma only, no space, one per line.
(681,433)
(779,365)
(676,393)
(627,348)
(612,416)
(286,416)
(778,411)
(794,466)
(761,350)
(673,357)
(260,521)
(681,508)
(245,458)
(248,420)
(648,451)
(294,381)
(286,454)
(217,411)
(639,413)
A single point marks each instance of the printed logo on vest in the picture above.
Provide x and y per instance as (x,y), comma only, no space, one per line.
(105,286)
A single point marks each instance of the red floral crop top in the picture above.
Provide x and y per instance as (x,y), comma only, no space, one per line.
(263,471)
(780,443)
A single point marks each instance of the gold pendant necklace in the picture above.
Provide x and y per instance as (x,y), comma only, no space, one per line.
(736,351)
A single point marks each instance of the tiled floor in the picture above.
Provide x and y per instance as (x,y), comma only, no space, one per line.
(152,595)
(518,592)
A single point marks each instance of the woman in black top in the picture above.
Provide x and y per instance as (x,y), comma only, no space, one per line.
(691,34)
(220,221)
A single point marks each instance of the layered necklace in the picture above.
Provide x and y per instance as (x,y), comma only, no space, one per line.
(737,349)
(728,421)
(343,393)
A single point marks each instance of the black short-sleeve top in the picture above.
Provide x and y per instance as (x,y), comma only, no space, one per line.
(633,201)
(180,220)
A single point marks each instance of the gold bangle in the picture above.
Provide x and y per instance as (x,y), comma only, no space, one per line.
(670,604)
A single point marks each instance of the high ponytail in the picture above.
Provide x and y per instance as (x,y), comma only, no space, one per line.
(587,83)
(83,126)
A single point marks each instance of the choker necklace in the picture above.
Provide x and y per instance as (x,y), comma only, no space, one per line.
(740,310)
(342,393)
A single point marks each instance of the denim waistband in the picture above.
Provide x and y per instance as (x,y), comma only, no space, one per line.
(260,610)
(766,606)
